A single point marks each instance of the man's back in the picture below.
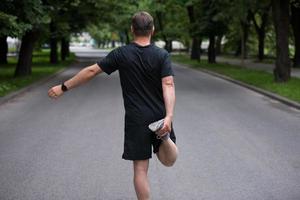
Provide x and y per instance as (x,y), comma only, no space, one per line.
(141,69)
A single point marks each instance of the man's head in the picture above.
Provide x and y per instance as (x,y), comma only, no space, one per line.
(142,24)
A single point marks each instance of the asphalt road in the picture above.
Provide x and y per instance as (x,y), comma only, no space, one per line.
(234,144)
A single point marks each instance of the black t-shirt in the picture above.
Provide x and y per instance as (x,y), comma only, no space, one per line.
(141,69)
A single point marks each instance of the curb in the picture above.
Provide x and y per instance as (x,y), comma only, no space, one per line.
(272,95)
(19,92)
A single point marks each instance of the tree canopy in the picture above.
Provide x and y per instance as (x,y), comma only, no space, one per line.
(240,27)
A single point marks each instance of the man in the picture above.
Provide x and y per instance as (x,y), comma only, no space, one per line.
(148,91)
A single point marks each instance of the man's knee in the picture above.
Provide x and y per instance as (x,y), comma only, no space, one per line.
(140,166)
(168,163)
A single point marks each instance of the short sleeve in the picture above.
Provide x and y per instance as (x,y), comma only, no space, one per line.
(109,63)
(166,68)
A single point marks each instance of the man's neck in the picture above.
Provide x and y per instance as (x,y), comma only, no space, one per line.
(143,41)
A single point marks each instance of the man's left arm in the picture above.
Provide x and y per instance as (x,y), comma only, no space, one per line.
(168,87)
(80,78)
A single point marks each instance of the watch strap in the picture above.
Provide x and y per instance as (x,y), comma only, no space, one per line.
(64,87)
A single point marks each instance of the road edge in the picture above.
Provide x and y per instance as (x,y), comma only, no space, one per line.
(272,95)
(19,92)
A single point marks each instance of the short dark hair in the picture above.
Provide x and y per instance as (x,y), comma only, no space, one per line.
(142,23)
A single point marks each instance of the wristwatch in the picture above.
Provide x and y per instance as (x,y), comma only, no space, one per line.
(63,87)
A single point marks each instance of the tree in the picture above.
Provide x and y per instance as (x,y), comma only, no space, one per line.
(121,23)
(260,17)
(62,14)
(3,49)
(241,8)
(160,16)
(282,71)
(9,26)
(213,23)
(74,16)
(101,33)
(6,21)
(53,42)
(170,27)
(196,40)
(25,56)
(33,13)
(295,16)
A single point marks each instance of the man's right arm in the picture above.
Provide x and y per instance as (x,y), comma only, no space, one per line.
(80,78)
(83,76)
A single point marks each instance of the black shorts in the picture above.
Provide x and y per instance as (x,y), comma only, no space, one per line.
(139,140)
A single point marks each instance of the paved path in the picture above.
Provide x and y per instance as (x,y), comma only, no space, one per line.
(249,63)
(234,144)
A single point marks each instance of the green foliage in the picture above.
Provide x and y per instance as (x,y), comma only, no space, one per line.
(103,17)
(10,26)
(213,17)
(16,17)
(41,68)
(171,20)
(119,20)
(100,33)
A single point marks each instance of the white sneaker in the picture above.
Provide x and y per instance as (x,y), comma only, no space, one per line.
(156,126)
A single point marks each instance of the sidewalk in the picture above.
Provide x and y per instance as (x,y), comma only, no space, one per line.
(251,64)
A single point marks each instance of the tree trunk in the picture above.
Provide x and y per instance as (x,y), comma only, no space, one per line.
(53,44)
(127,36)
(239,48)
(261,44)
(242,43)
(3,50)
(65,50)
(244,49)
(196,49)
(168,45)
(113,43)
(296,30)
(219,45)
(196,43)
(25,56)
(122,38)
(282,71)
(212,49)
(261,30)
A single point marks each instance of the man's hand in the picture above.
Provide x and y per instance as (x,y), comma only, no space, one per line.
(55,92)
(166,127)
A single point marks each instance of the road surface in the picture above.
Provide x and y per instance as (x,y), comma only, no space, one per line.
(234,144)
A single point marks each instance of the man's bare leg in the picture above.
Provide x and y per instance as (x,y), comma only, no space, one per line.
(167,153)
(141,183)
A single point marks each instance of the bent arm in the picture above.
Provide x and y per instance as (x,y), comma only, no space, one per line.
(169,100)
(169,95)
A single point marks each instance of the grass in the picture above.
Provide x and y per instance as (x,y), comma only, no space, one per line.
(260,79)
(40,68)
(266,60)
